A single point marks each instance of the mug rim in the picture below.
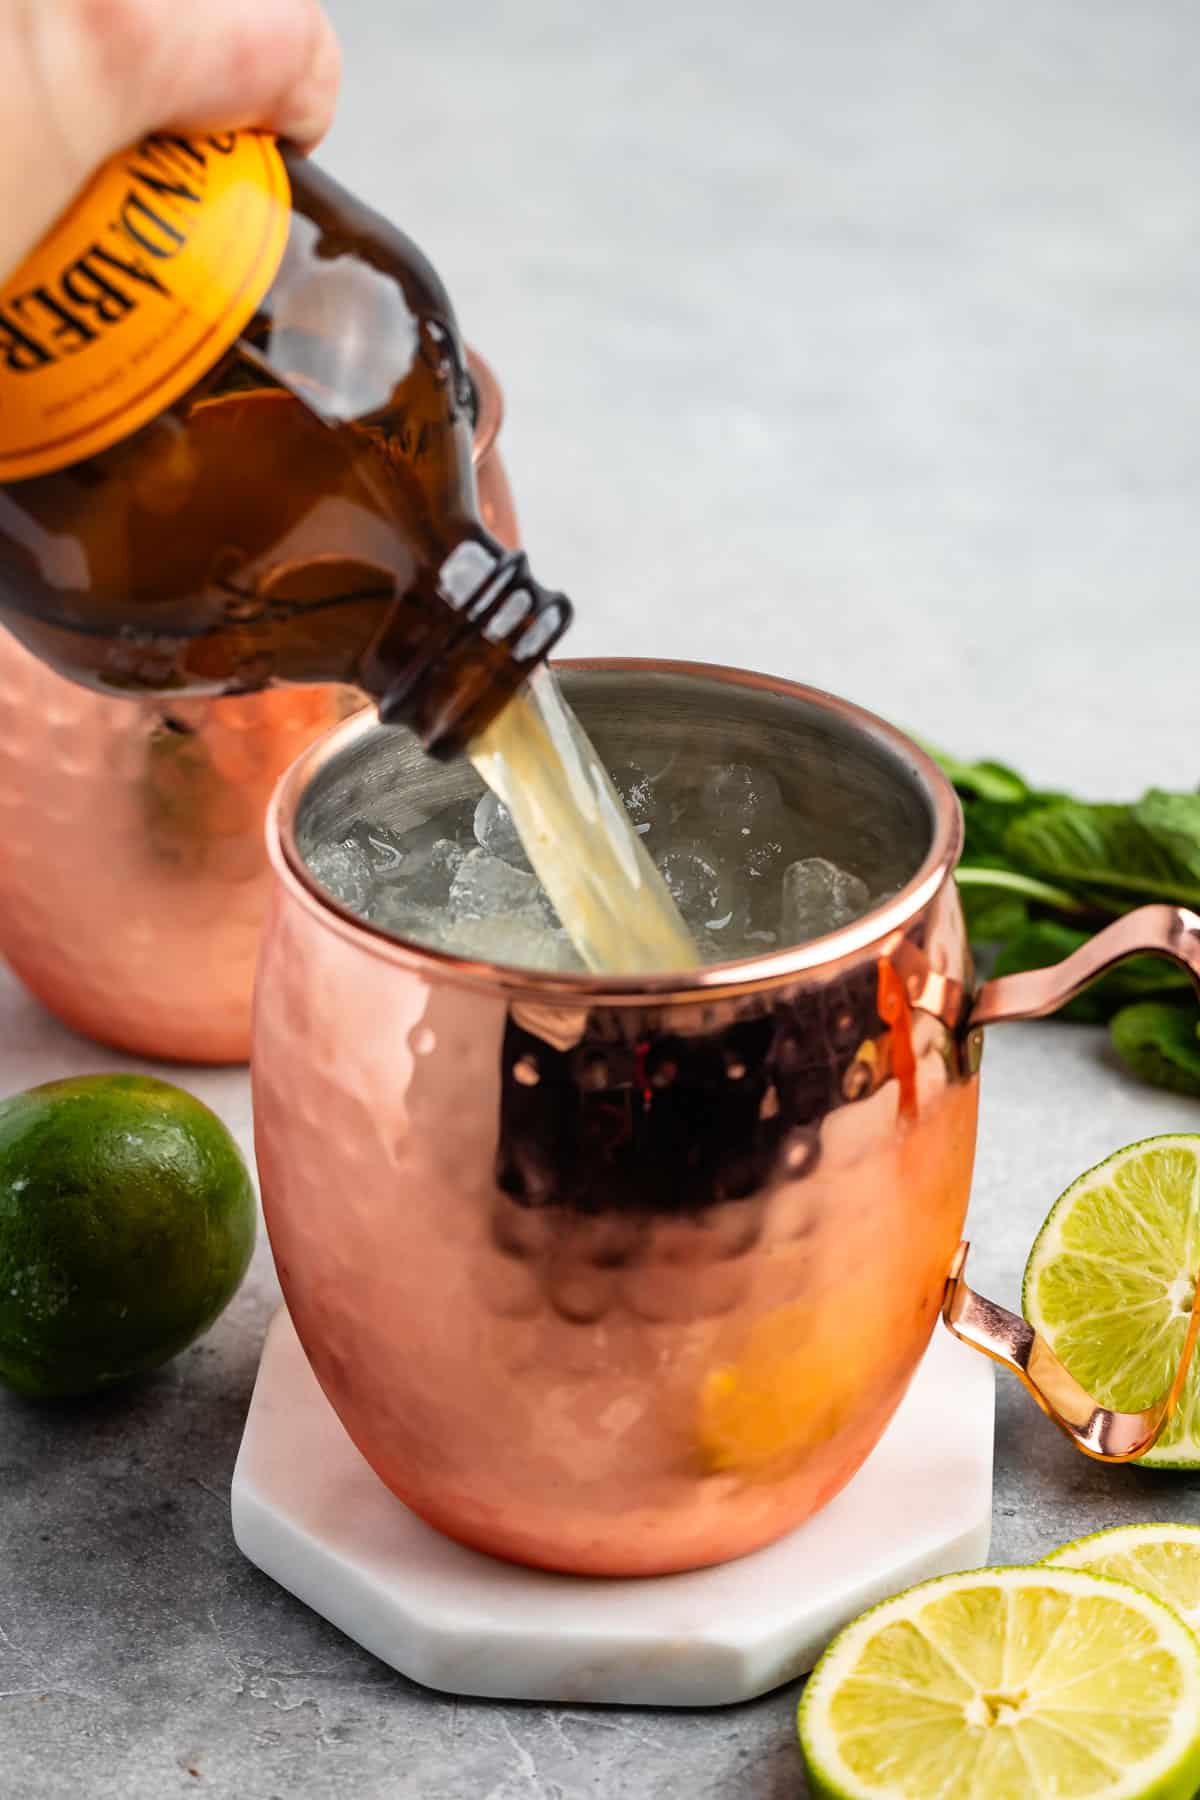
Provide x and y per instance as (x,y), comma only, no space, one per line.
(709,982)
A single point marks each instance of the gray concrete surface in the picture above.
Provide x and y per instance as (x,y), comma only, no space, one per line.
(855,342)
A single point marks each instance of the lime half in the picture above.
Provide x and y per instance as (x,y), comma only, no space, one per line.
(1164,1560)
(1111,1280)
(1007,1684)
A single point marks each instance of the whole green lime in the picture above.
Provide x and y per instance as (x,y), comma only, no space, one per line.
(127,1219)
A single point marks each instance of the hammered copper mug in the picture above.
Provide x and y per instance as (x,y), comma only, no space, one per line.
(133,869)
(624,1276)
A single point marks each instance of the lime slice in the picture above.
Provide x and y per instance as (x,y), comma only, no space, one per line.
(1111,1279)
(1007,1684)
(1163,1560)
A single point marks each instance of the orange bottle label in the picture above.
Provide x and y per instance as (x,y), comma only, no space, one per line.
(137,290)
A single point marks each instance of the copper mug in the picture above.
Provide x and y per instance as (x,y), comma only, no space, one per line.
(133,868)
(627,1276)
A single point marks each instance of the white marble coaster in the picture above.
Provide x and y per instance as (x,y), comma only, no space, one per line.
(310,1512)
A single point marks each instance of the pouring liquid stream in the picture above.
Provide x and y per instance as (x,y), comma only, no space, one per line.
(610,898)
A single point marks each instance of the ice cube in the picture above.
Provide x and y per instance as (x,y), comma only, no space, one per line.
(395,912)
(742,799)
(382,874)
(428,872)
(818,897)
(345,870)
(699,883)
(650,808)
(761,861)
(386,851)
(451,825)
(496,833)
(520,939)
(484,886)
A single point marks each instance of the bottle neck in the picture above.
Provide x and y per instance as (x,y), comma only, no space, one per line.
(455,648)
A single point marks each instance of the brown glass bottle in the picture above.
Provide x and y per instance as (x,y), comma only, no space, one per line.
(303,511)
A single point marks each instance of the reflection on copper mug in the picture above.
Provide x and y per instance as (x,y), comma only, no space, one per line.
(133,872)
(627,1275)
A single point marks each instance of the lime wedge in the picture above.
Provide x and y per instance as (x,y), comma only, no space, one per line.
(1111,1279)
(1007,1684)
(1163,1560)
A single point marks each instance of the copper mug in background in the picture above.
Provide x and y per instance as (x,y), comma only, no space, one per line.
(133,868)
(627,1276)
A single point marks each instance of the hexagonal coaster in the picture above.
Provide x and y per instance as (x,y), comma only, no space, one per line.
(311,1513)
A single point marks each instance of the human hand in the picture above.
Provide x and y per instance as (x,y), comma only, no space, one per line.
(79,79)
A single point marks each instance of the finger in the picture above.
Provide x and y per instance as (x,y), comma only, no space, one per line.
(115,69)
(275,65)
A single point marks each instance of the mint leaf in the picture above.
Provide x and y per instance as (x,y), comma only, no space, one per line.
(993,914)
(986,780)
(1159,1043)
(986,824)
(1105,848)
(1173,821)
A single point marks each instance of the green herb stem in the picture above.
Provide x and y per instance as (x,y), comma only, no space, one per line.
(1028,885)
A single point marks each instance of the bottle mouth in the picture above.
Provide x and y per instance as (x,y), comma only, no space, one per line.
(486,624)
(495,591)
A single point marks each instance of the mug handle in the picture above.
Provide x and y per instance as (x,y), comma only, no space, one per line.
(1008,1339)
